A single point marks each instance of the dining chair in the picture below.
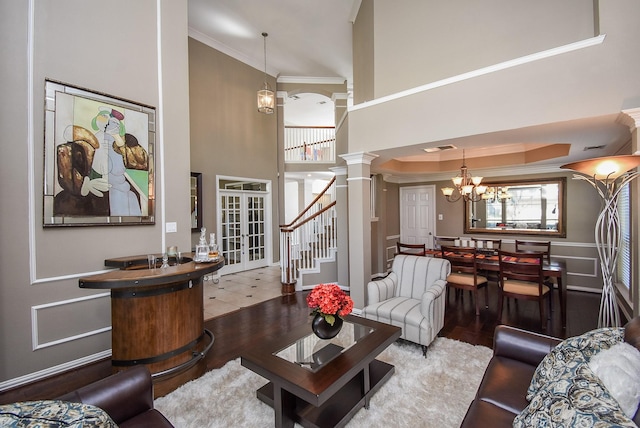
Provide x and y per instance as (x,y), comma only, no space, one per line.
(439,241)
(521,278)
(464,273)
(411,249)
(530,246)
(545,248)
(486,245)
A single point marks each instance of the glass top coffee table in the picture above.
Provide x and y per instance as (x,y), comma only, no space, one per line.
(322,383)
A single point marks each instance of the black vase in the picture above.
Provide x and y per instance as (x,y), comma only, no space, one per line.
(323,329)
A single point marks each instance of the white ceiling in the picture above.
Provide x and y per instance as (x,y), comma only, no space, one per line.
(311,42)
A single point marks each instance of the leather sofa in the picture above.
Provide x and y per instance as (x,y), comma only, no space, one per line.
(126,396)
(502,393)
(411,297)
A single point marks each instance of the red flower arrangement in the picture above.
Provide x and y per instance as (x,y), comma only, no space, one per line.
(329,300)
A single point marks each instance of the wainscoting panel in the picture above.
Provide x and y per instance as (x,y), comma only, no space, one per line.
(67,320)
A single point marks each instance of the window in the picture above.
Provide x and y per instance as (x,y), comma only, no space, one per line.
(623,269)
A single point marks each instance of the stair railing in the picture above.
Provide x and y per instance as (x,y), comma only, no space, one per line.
(309,237)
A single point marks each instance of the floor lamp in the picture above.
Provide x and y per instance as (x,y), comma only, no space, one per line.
(607,175)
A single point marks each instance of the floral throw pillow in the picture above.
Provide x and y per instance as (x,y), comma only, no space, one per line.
(574,400)
(570,354)
(54,414)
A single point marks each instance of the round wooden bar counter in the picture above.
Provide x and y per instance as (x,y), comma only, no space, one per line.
(157,317)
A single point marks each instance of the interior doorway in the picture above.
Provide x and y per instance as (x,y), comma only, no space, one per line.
(417,215)
(244,218)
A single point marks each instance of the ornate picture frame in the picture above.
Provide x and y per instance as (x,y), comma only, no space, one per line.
(98,159)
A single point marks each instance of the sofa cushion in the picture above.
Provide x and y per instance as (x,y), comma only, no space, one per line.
(484,414)
(54,414)
(506,371)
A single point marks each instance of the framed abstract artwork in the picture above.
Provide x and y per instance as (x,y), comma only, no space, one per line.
(98,159)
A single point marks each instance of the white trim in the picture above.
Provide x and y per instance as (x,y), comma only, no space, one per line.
(311,80)
(34,322)
(359,179)
(159,143)
(70,276)
(31,142)
(51,371)
(252,62)
(485,70)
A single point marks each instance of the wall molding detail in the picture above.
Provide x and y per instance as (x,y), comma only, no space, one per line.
(35,340)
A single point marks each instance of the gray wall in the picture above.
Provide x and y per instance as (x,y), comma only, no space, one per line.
(44,316)
(228,135)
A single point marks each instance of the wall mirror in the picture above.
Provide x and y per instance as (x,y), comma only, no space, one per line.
(528,207)
(196,201)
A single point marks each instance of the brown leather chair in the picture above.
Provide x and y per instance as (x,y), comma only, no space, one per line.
(521,278)
(464,273)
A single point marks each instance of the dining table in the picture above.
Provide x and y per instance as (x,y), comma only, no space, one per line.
(488,260)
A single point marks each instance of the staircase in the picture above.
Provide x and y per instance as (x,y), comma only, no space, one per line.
(309,241)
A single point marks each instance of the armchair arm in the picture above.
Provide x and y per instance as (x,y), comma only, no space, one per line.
(382,289)
(522,345)
(430,296)
(122,395)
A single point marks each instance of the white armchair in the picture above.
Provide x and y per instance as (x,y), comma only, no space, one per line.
(411,297)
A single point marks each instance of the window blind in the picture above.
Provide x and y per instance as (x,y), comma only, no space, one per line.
(623,269)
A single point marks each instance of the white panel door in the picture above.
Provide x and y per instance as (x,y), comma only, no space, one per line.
(417,215)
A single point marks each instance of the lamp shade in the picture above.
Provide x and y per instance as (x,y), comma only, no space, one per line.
(605,168)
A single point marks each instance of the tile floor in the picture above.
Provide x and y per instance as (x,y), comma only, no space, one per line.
(239,290)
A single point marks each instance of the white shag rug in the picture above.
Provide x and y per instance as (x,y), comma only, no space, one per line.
(431,392)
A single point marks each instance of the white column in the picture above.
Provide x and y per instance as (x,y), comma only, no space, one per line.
(359,203)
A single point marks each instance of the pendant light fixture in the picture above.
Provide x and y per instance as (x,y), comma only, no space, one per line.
(466,186)
(266,99)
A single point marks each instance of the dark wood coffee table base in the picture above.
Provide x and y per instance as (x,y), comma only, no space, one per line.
(339,409)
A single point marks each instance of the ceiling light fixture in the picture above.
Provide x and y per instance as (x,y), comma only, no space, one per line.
(496,194)
(266,100)
(466,186)
(608,175)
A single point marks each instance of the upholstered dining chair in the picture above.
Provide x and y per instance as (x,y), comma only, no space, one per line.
(545,248)
(521,278)
(411,249)
(464,273)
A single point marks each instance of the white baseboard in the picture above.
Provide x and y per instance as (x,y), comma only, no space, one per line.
(52,371)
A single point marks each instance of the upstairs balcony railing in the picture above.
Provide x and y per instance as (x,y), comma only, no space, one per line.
(309,144)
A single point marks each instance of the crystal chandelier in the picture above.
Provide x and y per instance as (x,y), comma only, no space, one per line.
(266,100)
(466,186)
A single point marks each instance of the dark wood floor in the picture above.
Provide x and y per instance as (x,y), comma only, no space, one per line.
(242,329)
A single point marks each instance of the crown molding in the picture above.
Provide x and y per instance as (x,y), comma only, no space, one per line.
(312,80)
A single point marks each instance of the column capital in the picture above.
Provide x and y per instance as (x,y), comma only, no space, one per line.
(630,118)
(359,158)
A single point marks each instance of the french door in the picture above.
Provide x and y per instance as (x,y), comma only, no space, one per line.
(245,230)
